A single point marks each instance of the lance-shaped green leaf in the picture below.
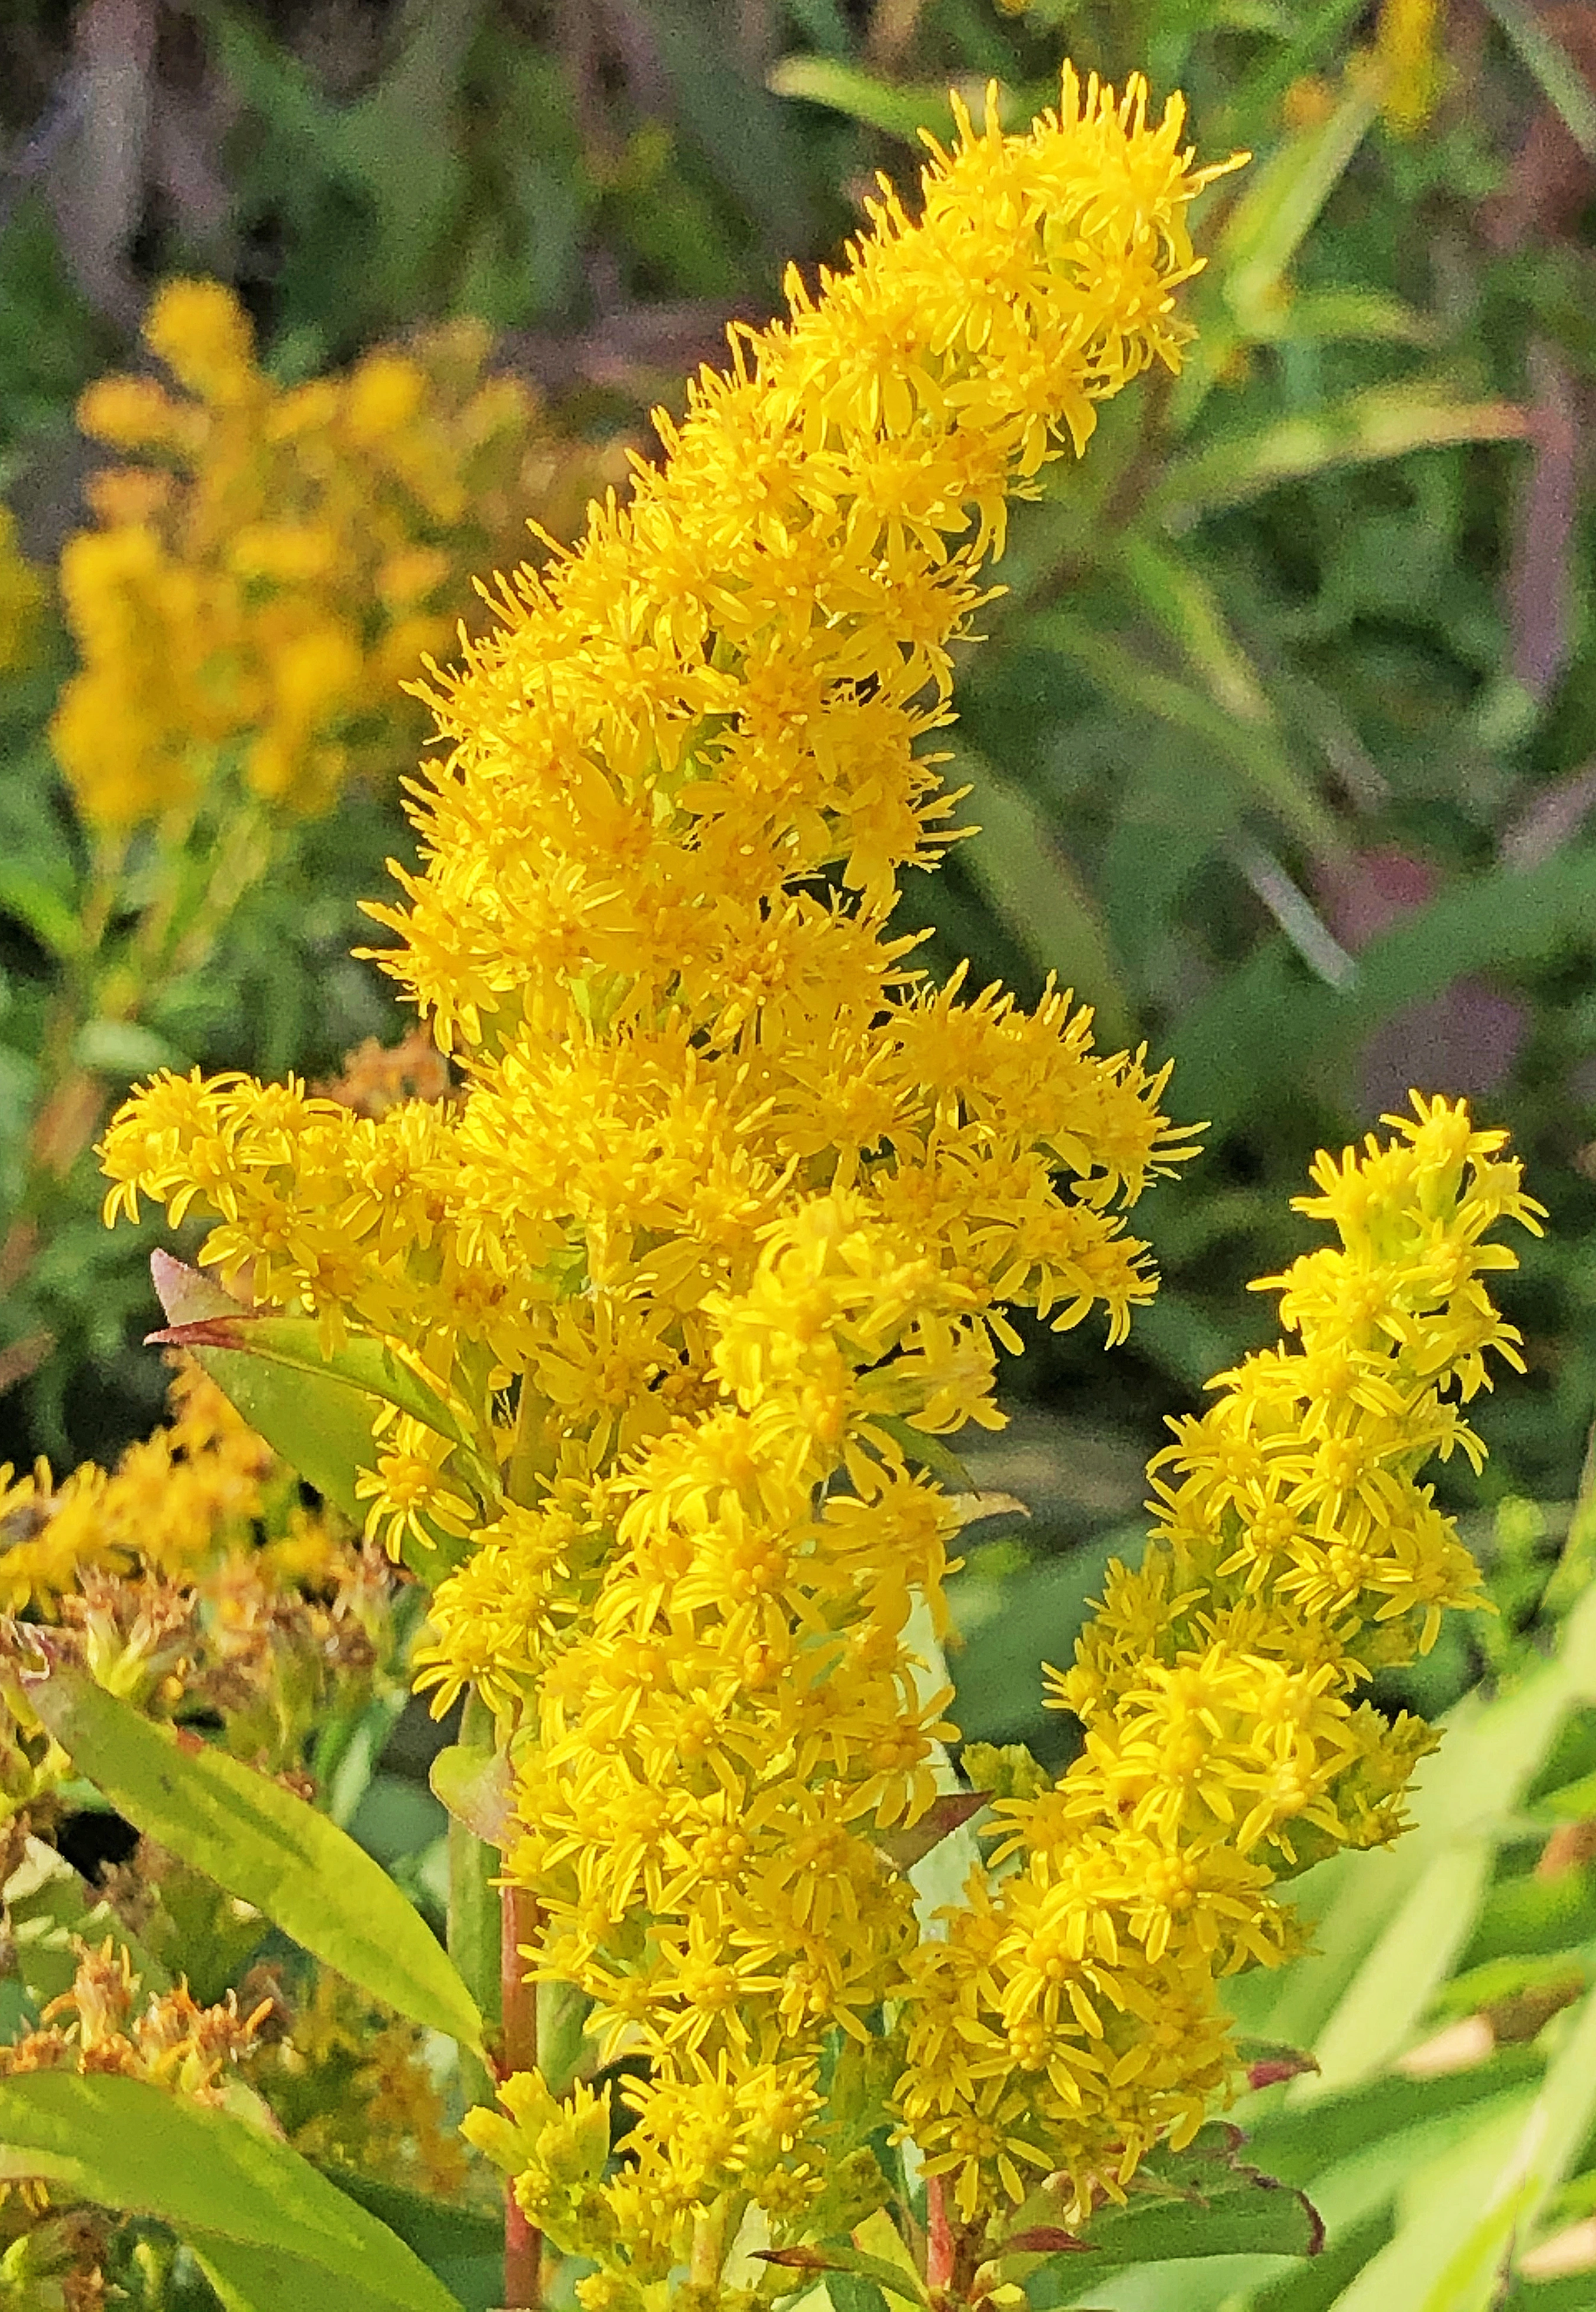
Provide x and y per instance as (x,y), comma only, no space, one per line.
(1252,750)
(320,1427)
(1384,421)
(270,2233)
(1560,80)
(1203,2201)
(376,1369)
(441,2233)
(1280,202)
(252,1837)
(1180,599)
(1033,885)
(860,95)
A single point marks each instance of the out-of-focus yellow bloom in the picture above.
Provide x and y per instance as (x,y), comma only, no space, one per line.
(351,2088)
(1070,2017)
(22,599)
(272,563)
(1407,48)
(171,1500)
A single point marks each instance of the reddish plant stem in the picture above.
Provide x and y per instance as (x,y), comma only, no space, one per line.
(523,2243)
(941,2246)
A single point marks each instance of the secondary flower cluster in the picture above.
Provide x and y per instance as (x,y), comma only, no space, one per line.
(192,1576)
(1070,2017)
(269,563)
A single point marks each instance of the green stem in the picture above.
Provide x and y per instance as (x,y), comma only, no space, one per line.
(473,1932)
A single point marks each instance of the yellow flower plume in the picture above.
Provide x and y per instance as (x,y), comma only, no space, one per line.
(1070,2019)
(722,1227)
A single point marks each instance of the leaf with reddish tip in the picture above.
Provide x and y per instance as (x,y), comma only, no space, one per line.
(1044,2239)
(323,1430)
(318,1412)
(376,1367)
(910,1842)
(893,2279)
(1268,2062)
(1203,2201)
(477,1786)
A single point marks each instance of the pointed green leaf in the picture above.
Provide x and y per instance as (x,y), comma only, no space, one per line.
(1384,421)
(860,95)
(321,1428)
(440,2231)
(1180,599)
(255,1839)
(1250,748)
(361,1361)
(1343,316)
(806,2262)
(47,913)
(1034,886)
(1560,80)
(1280,202)
(274,2235)
(1457,2245)
(319,1418)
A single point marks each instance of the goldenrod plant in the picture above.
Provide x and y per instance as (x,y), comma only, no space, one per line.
(641,1350)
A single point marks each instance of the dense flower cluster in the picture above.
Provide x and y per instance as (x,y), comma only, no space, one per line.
(717,1238)
(1070,2017)
(269,563)
(731,1206)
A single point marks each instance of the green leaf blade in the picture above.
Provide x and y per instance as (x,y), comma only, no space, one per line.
(262,1844)
(251,2208)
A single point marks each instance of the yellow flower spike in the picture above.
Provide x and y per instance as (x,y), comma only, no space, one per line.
(1072,2008)
(730,1216)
